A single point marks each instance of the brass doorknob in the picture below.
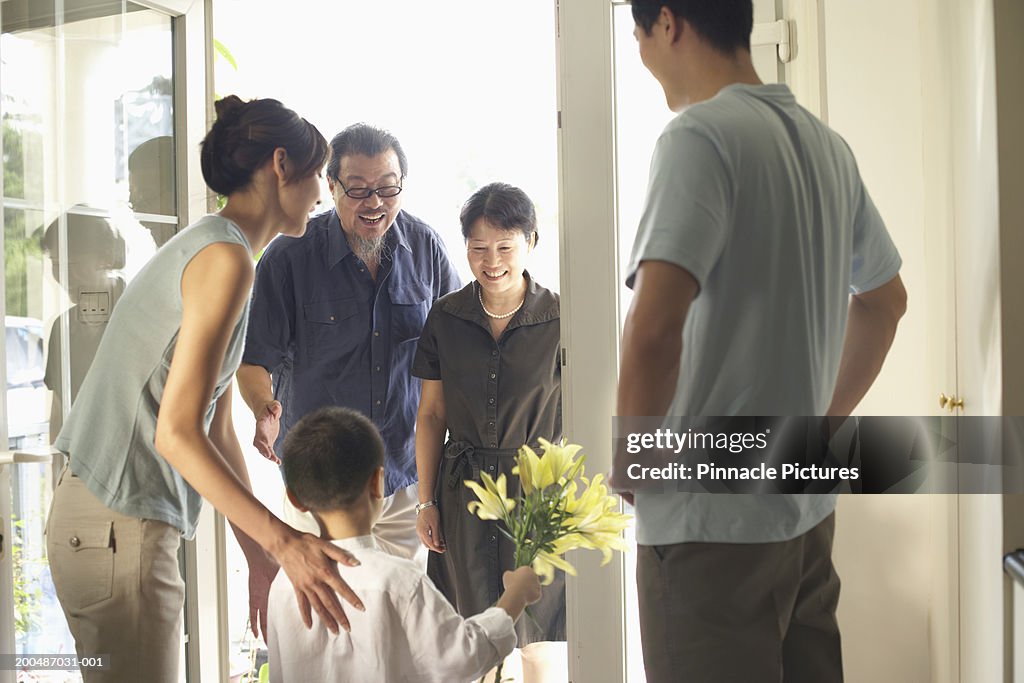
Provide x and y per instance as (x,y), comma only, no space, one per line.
(950,403)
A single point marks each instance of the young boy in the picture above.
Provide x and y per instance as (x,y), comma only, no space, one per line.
(333,467)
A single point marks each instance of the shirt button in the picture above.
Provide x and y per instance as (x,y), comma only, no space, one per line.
(377,368)
(377,402)
(74,542)
(376,333)
(491,400)
(492,374)
(494,353)
(491,425)
(493,445)
(332,317)
(493,538)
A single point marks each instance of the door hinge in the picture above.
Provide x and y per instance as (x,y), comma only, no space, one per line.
(774,33)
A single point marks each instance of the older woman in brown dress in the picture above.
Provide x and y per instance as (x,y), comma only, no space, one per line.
(489,360)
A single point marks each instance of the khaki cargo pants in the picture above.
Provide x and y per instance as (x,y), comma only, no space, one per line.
(118,582)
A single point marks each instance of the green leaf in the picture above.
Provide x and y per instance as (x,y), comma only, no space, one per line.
(225,53)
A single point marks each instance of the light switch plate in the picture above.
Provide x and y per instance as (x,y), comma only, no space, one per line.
(94,307)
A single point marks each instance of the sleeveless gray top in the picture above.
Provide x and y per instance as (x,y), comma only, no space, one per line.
(110,432)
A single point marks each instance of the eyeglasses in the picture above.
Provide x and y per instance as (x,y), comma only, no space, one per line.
(385,192)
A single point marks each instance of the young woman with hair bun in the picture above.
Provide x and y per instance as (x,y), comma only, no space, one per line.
(150,434)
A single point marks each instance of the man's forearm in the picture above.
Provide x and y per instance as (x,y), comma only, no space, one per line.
(255,386)
(648,373)
(652,339)
(870,328)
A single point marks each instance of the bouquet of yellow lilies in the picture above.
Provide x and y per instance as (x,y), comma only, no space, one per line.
(553,513)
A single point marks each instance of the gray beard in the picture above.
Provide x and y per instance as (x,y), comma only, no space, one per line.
(370,250)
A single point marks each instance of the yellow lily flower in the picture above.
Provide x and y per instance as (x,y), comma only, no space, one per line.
(605,539)
(558,503)
(592,518)
(529,469)
(559,461)
(494,502)
(545,565)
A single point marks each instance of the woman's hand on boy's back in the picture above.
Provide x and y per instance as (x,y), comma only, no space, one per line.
(311,565)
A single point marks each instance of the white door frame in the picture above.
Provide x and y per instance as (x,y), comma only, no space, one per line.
(589,290)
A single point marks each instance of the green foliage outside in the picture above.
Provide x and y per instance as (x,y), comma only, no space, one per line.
(27,597)
(19,248)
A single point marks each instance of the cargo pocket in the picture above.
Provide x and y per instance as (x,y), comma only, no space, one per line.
(81,562)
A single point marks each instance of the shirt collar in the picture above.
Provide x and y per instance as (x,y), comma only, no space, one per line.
(539,306)
(356,543)
(338,247)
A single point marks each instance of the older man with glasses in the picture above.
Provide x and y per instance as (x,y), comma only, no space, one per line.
(336,315)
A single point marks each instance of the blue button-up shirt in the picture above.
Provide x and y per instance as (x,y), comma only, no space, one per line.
(330,335)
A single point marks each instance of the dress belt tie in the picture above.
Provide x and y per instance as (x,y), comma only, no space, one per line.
(465,456)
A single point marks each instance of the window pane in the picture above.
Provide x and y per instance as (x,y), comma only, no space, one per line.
(30,202)
(85,101)
(118,91)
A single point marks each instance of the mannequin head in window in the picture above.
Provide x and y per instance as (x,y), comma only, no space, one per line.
(499,224)
(96,255)
(95,251)
(151,177)
(151,184)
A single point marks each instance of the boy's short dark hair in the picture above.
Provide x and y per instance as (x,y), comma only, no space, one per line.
(726,24)
(329,456)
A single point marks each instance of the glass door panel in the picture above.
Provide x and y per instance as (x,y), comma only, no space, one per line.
(88,193)
(31,68)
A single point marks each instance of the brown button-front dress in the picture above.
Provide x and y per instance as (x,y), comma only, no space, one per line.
(498,396)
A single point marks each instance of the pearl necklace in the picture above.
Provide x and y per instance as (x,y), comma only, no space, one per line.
(480,296)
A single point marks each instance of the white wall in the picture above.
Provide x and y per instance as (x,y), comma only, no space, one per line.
(878,63)
(911,85)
